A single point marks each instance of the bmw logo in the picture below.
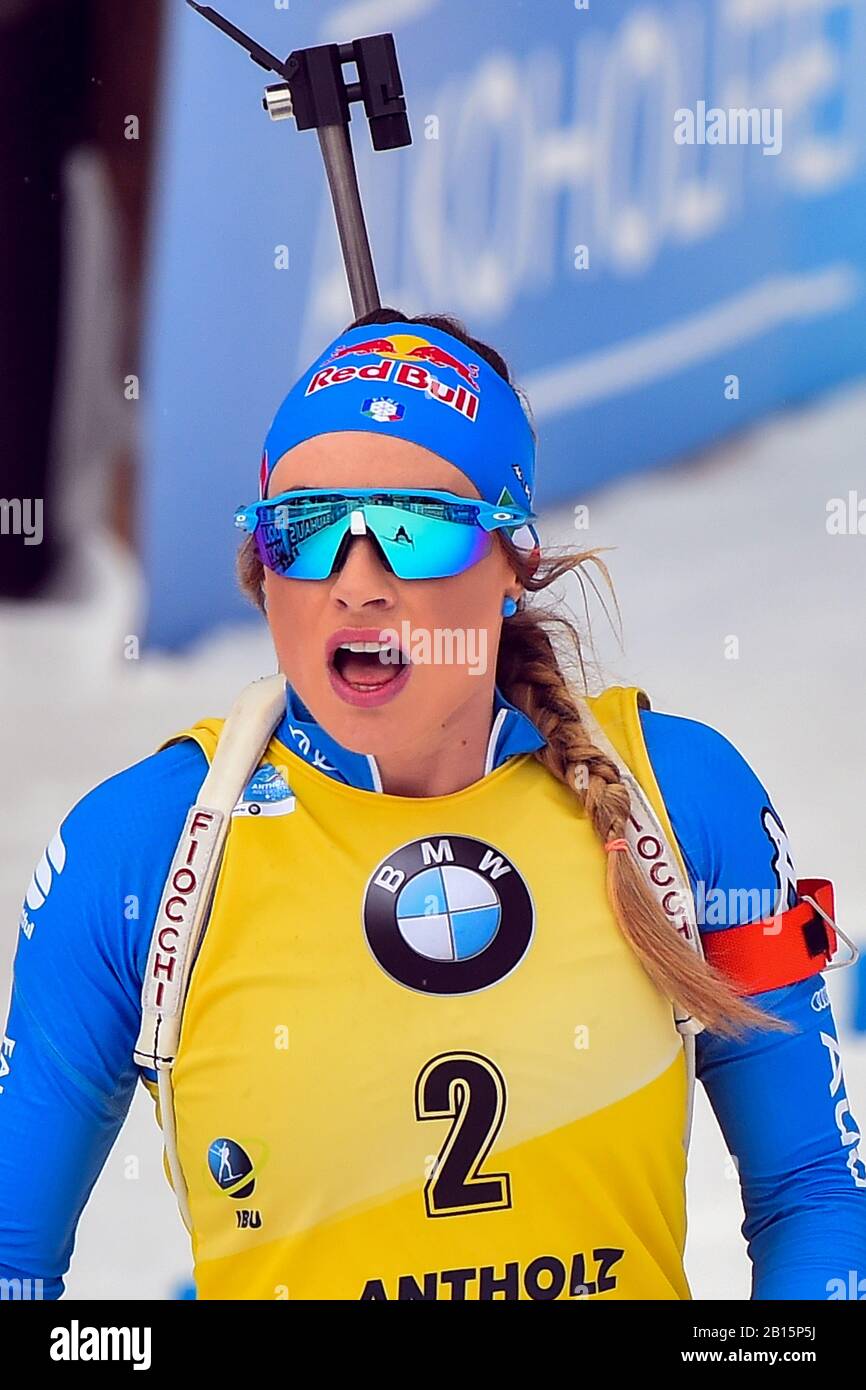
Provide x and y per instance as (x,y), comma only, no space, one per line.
(448,915)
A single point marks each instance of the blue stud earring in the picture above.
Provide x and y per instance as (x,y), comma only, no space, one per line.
(509,607)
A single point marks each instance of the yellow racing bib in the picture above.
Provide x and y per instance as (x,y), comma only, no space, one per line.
(418,1059)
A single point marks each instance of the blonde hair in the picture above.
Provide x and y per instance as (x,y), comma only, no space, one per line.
(530,676)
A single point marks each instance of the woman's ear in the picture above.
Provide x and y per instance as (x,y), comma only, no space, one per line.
(515,587)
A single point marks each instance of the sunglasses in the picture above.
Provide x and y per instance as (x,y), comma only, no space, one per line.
(420,534)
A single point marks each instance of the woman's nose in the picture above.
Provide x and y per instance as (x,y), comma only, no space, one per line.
(362,578)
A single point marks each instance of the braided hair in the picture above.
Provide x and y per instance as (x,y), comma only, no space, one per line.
(530,675)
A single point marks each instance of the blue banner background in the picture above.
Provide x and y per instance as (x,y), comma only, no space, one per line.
(538,129)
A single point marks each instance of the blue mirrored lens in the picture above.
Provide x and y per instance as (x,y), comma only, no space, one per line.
(423,547)
(297,550)
(305,544)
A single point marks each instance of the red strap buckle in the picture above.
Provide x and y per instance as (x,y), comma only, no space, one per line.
(780,950)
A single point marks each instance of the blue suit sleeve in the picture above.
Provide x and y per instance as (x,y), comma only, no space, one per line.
(780,1099)
(67,1074)
(783,1109)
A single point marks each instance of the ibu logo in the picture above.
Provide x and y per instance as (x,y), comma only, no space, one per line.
(231,1168)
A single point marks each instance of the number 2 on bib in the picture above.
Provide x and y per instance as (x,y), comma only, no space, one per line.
(469,1090)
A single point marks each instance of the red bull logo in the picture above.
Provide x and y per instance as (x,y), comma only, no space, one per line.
(408,347)
(406,360)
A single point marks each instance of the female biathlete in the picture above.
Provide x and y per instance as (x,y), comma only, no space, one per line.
(433,1033)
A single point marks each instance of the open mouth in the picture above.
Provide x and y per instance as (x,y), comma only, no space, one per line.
(366,670)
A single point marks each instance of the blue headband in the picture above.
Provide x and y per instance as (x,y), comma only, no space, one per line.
(422,385)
